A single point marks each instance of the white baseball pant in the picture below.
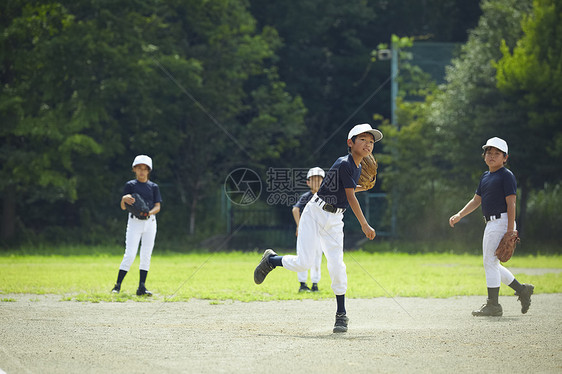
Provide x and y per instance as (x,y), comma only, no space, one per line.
(139,230)
(315,270)
(493,234)
(320,231)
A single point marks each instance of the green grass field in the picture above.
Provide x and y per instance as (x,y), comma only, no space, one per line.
(229,276)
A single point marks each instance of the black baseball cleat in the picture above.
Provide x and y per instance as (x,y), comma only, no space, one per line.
(489,310)
(142,291)
(116,288)
(264,267)
(304,288)
(525,297)
(314,287)
(341,322)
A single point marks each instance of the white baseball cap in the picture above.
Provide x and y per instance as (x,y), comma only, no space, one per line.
(143,159)
(365,127)
(315,171)
(497,143)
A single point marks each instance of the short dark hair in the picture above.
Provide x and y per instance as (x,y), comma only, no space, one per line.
(486,150)
(353,140)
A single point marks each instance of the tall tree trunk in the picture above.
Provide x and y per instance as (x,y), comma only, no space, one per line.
(523,206)
(8,225)
(192,215)
(194,200)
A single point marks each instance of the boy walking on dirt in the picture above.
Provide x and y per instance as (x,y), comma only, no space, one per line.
(321,224)
(314,179)
(497,194)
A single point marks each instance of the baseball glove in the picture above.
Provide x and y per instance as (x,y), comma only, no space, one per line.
(368,175)
(507,246)
(139,208)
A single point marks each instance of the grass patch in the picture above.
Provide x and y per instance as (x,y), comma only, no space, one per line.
(229,276)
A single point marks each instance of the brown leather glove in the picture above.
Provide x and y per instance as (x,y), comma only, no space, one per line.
(368,175)
(507,246)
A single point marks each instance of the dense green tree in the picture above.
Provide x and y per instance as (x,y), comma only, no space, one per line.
(471,109)
(436,20)
(205,87)
(430,172)
(223,104)
(530,77)
(325,58)
(87,86)
(414,169)
(45,108)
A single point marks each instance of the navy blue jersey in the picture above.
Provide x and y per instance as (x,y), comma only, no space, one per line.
(343,174)
(303,200)
(494,188)
(149,191)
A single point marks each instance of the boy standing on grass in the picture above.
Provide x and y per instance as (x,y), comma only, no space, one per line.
(139,228)
(314,179)
(321,224)
(497,194)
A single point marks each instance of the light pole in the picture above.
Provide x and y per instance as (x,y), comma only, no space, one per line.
(393,82)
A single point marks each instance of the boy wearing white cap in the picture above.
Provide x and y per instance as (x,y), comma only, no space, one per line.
(497,194)
(139,229)
(321,224)
(314,179)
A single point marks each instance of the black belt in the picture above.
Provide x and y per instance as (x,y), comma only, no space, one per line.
(329,207)
(141,218)
(495,216)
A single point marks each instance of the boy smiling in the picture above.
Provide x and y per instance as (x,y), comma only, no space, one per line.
(321,224)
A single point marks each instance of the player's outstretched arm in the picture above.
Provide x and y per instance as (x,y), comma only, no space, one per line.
(354,204)
(468,208)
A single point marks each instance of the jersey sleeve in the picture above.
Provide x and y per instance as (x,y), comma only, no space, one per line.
(346,175)
(128,188)
(301,203)
(479,188)
(509,184)
(157,198)
(303,200)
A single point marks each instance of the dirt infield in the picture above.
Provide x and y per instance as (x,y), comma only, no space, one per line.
(40,334)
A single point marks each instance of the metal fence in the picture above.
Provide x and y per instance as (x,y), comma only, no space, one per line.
(258,227)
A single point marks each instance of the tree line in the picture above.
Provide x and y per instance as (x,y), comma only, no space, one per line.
(206,87)
(502,83)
